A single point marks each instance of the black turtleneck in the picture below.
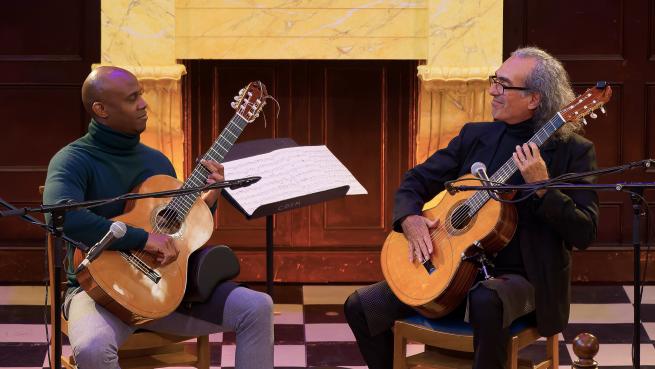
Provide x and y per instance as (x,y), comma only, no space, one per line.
(509,259)
(103,164)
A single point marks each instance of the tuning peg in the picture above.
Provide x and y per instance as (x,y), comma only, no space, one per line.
(584,121)
(236,97)
(602,109)
(241,91)
(233,104)
(593,115)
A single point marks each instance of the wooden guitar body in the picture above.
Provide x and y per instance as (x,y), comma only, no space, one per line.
(437,293)
(128,292)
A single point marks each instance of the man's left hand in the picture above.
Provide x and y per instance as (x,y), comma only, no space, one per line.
(532,167)
(216,174)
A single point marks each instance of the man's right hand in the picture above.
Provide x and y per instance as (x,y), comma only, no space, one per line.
(162,247)
(417,231)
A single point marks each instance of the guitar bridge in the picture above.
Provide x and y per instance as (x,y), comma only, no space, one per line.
(152,274)
(429,267)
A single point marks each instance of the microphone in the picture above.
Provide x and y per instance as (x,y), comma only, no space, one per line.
(479,170)
(244,182)
(116,230)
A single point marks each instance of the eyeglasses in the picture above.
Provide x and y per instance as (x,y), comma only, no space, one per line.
(494,82)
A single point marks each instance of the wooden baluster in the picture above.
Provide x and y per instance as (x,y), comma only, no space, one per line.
(585,347)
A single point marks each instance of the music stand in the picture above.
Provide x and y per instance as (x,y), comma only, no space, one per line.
(263,146)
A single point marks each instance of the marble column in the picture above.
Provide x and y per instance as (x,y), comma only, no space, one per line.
(140,37)
(464,48)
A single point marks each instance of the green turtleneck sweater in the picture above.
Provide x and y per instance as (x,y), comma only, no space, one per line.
(102,164)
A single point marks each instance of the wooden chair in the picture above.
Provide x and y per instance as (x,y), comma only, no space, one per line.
(449,344)
(143,349)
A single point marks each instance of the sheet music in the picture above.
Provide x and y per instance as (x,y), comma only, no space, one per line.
(288,173)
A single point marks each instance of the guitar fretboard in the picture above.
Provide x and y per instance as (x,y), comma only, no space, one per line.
(507,170)
(216,152)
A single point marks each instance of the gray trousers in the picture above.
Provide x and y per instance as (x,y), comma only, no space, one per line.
(95,334)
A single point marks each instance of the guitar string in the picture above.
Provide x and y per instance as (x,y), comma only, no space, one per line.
(177,209)
(507,170)
(183,204)
(479,198)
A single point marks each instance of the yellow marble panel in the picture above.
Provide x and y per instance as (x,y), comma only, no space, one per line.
(465,39)
(137,32)
(300,48)
(164,129)
(444,107)
(301,4)
(336,23)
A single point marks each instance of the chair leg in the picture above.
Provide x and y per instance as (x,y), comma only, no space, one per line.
(203,352)
(513,353)
(399,348)
(552,351)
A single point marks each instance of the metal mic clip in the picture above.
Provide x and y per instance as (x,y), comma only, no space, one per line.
(452,189)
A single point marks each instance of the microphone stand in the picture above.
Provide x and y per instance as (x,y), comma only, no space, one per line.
(635,190)
(56,228)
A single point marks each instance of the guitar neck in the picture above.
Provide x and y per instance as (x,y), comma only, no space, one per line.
(508,169)
(217,153)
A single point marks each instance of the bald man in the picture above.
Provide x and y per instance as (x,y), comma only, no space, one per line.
(110,161)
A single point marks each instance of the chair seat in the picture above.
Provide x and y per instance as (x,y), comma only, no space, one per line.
(448,340)
(456,325)
(141,338)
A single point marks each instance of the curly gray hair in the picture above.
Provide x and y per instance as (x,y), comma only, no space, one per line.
(551,81)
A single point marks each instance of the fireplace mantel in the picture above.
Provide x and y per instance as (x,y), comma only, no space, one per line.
(459,43)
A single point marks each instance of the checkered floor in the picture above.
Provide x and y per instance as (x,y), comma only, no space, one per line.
(310,330)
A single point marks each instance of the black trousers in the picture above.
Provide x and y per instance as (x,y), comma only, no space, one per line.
(490,339)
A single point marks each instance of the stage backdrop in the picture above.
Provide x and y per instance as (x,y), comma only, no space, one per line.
(612,41)
(376,115)
(44,57)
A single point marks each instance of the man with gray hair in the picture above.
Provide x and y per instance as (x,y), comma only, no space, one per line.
(533,270)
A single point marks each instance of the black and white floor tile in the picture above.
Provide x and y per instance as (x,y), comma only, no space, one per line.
(310,330)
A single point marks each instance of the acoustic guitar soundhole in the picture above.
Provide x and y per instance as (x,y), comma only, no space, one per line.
(460,218)
(167,221)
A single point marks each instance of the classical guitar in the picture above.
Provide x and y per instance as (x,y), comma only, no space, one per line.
(468,221)
(131,284)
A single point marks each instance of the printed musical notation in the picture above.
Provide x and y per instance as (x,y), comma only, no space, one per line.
(289,173)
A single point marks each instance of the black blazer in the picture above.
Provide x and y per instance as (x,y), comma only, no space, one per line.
(557,221)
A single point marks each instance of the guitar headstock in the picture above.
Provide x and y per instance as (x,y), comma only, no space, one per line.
(250,101)
(585,104)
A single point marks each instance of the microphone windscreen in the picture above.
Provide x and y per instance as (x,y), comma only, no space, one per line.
(477,167)
(118,229)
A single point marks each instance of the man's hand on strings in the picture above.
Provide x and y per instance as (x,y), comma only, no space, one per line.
(216,174)
(417,231)
(531,165)
(161,246)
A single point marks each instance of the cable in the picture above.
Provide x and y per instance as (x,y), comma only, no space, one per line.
(45,306)
(644,202)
